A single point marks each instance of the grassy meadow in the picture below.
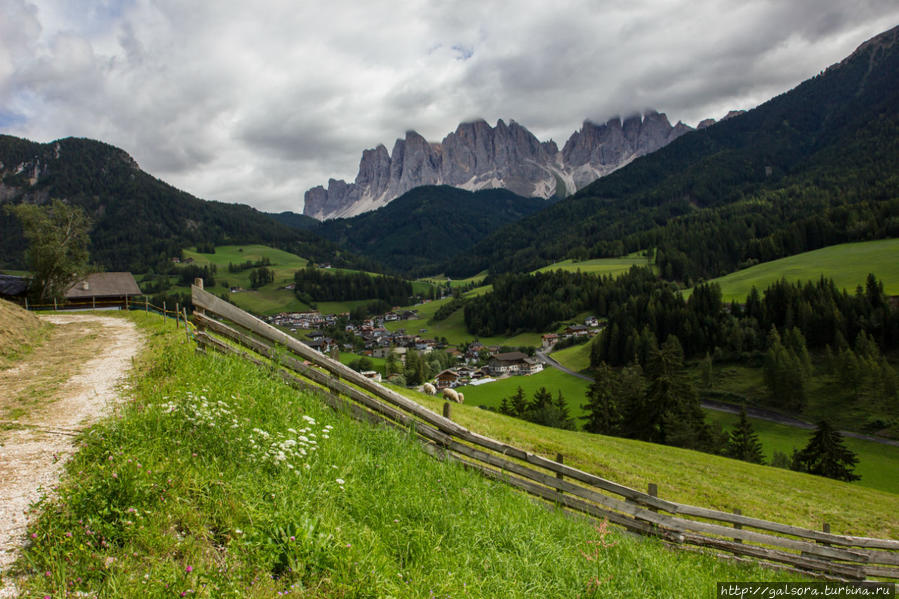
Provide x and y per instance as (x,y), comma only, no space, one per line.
(877,463)
(491,395)
(848,264)
(215,479)
(576,357)
(599,266)
(698,478)
(453,327)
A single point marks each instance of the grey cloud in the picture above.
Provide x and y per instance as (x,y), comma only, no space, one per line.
(256,103)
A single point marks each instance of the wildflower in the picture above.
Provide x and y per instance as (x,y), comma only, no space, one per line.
(340,481)
(189,569)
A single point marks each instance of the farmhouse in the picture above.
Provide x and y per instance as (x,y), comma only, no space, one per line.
(13,288)
(447,379)
(104,289)
(514,362)
(576,330)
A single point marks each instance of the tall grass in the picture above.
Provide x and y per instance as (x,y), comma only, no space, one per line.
(218,480)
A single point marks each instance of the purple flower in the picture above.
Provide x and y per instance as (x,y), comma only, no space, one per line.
(189,569)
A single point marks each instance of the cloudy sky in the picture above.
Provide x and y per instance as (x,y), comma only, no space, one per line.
(255,102)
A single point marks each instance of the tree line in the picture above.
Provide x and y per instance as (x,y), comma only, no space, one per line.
(313,284)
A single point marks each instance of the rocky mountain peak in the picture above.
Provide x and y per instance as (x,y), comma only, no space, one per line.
(480,156)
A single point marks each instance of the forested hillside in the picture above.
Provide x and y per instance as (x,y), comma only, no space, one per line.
(420,230)
(812,167)
(139,222)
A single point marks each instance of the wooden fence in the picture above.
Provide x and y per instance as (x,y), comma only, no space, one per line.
(821,553)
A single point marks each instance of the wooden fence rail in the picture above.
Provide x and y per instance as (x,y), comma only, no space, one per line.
(818,552)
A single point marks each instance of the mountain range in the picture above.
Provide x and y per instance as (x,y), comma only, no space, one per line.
(811,167)
(477,156)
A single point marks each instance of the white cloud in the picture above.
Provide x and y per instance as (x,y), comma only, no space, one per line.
(256,102)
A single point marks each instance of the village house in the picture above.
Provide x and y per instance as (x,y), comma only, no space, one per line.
(104,289)
(13,288)
(513,363)
(447,379)
(576,330)
(550,339)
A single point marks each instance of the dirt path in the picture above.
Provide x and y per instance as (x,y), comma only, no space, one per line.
(67,383)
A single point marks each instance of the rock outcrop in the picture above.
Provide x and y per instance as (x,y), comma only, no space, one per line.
(478,156)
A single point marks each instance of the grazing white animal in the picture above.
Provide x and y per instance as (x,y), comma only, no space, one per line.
(429,389)
(450,394)
(461,397)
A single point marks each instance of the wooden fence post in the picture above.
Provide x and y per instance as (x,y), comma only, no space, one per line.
(177,314)
(94,302)
(186,328)
(26,303)
(163,312)
(738,512)
(54,305)
(147,304)
(652,490)
(561,459)
(446,410)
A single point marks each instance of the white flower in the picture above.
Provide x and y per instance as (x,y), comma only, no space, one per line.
(340,481)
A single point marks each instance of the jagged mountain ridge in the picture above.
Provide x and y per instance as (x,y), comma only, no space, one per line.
(477,156)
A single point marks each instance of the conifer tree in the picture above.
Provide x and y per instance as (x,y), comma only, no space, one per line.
(519,403)
(827,455)
(603,415)
(744,442)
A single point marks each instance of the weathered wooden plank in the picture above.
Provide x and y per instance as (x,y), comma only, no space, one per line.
(547,479)
(836,539)
(851,571)
(649,519)
(580,475)
(331,383)
(218,306)
(562,499)
(881,572)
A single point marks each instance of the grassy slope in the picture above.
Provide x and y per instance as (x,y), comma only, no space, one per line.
(491,394)
(20,330)
(847,264)
(877,465)
(601,266)
(576,357)
(171,498)
(697,478)
(453,328)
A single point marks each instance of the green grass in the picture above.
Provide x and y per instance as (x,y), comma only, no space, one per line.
(848,264)
(453,328)
(602,266)
(183,493)
(697,478)
(441,279)
(576,357)
(877,463)
(491,395)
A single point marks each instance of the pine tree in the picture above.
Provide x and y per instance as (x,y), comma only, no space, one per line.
(826,455)
(603,415)
(519,403)
(744,442)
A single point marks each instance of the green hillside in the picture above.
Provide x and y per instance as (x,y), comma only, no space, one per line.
(877,463)
(217,480)
(812,167)
(698,478)
(601,266)
(139,222)
(848,264)
(428,225)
